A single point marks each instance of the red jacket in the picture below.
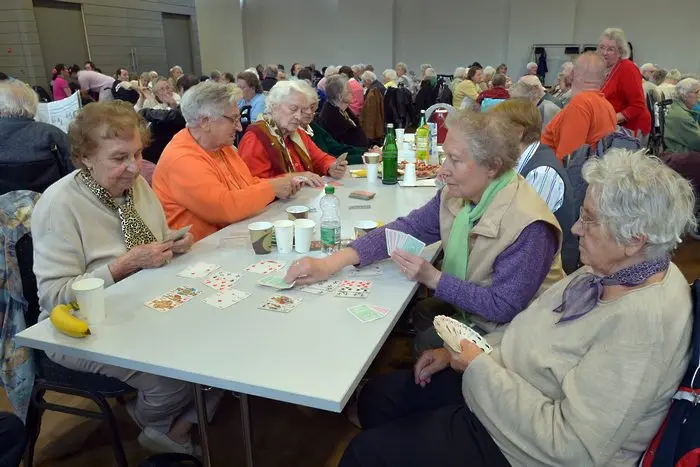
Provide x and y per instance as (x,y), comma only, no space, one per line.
(493,93)
(623,89)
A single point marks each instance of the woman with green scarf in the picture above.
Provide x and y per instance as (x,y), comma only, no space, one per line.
(500,239)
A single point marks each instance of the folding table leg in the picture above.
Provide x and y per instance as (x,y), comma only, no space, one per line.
(247,429)
(203,422)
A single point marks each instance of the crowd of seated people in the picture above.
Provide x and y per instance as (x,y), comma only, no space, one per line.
(217,150)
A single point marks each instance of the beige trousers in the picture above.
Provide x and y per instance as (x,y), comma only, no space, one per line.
(160,400)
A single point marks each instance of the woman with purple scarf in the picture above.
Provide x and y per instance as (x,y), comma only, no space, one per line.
(585,375)
(502,243)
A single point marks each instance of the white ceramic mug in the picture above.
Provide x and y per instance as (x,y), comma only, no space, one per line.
(90,294)
(284,236)
(364,227)
(303,231)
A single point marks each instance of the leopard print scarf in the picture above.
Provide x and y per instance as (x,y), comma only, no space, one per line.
(134,229)
(287,161)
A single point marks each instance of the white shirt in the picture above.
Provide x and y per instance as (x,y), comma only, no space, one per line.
(545,180)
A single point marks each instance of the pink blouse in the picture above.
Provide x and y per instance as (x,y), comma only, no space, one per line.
(59,84)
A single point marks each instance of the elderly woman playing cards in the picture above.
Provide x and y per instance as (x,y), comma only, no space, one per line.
(585,375)
(277,144)
(103,221)
(501,240)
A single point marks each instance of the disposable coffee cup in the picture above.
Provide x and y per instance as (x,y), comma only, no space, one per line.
(284,236)
(370,158)
(364,227)
(303,232)
(90,294)
(297,212)
(372,173)
(261,237)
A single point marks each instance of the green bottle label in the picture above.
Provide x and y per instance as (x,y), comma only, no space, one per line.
(328,236)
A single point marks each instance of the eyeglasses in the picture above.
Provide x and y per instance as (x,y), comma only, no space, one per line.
(230,119)
(602,48)
(584,219)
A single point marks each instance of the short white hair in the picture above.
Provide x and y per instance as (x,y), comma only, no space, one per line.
(402,65)
(425,66)
(647,67)
(308,91)
(330,71)
(176,68)
(685,87)
(206,100)
(281,91)
(460,72)
(638,195)
(618,35)
(369,76)
(531,65)
(17,99)
(356,68)
(429,73)
(390,74)
(567,68)
(525,89)
(489,71)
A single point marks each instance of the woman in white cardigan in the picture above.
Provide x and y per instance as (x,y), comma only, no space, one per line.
(104,221)
(585,375)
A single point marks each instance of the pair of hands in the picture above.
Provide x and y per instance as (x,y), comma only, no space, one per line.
(313,180)
(149,256)
(436,360)
(285,187)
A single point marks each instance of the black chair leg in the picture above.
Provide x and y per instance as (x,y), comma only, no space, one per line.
(111,423)
(33,426)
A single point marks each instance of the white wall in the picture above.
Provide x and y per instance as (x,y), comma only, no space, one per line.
(450,33)
(220,30)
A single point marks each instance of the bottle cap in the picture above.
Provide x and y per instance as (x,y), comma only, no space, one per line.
(329,189)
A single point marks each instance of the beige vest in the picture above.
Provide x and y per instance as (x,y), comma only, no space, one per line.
(515,207)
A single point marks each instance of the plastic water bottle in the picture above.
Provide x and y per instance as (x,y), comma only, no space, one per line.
(330,221)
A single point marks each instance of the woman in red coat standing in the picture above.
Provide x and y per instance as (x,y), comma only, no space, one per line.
(623,85)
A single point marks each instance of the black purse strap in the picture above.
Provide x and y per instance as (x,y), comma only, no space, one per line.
(57,159)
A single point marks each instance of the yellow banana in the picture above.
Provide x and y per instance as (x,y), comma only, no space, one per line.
(68,324)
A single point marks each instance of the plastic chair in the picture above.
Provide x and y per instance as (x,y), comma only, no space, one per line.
(53,377)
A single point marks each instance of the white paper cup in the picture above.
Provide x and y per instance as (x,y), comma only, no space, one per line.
(90,294)
(303,231)
(399,135)
(297,212)
(372,172)
(364,227)
(284,236)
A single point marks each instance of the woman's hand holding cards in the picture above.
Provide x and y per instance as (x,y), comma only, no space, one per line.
(416,268)
(460,361)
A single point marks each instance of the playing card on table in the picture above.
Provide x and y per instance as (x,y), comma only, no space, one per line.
(199,270)
(162,304)
(222,280)
(320,288)
(354,289)
(275,281)
(265,266)
(368,271)
(367,313)
(183,294)
(281,303)
(226,298)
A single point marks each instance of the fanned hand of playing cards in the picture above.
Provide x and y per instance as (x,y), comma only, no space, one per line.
(452,332)
(396,240)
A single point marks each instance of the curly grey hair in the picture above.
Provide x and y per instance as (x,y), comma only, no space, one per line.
(206,100)
(335,88)
(492,138)
(17,99)
(618,35)
(390,75)
(637,195)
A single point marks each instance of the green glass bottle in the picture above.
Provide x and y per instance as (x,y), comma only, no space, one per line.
(390,157)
